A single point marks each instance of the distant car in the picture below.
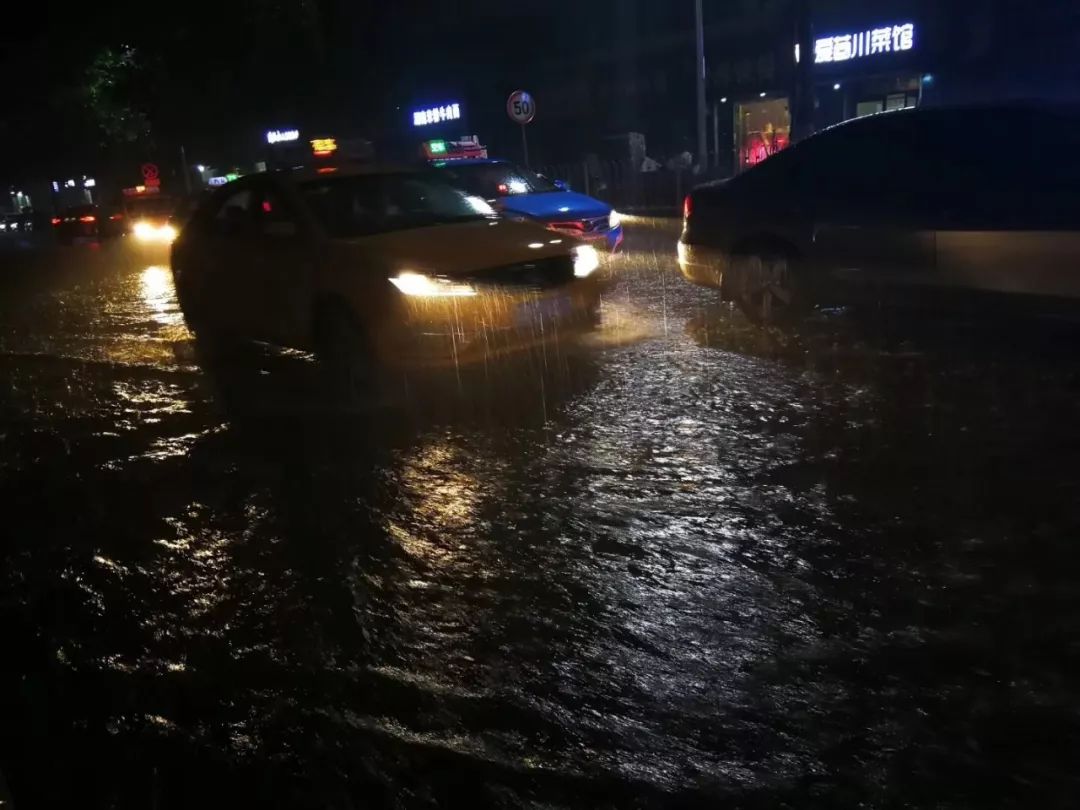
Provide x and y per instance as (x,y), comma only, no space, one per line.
(148,218)
(376,267)
(77,223)
(16,223)
(980,198)
(514,190)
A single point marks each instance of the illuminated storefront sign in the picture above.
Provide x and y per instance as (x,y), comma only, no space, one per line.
(845,47)
(282,135)
(321,147)
(443,151)
(221,180)
(436,115)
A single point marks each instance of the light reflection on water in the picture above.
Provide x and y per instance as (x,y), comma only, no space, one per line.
(703,571)
(159,295)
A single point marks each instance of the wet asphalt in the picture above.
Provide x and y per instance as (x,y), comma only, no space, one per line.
(682,562)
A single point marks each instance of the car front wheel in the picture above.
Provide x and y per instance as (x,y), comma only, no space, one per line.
(346,358)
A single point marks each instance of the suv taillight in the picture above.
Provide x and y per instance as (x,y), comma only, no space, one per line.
(688,206)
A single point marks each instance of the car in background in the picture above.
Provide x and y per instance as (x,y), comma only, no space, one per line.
(897,202)
(146,218)
(16,223)
(519,192)
(77,223)
(374,268)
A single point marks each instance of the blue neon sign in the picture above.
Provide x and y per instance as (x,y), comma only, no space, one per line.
(436,115)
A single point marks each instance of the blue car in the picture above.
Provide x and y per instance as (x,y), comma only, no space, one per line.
(514,190)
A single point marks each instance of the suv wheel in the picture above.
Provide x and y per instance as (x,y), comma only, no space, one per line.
(765,285)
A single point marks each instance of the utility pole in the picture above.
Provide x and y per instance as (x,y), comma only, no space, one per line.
(186,170)
(802,109)
(716,135)
(702,134)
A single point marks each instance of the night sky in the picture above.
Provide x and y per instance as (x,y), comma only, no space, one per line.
(213,75)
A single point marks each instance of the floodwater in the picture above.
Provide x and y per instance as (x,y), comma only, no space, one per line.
(687,562)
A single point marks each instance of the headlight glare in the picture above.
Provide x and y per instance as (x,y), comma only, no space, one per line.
(614,219)
(480,205)
(421,286)
(149,232)
(586,260)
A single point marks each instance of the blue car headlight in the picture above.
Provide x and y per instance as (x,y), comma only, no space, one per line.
(614,219)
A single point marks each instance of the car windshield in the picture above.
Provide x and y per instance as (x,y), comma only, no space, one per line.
(379,203)
(492,180)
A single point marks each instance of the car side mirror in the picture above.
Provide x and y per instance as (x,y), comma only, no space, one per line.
(282,229)
(562,185)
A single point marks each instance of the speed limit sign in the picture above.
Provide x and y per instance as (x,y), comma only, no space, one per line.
(520,107)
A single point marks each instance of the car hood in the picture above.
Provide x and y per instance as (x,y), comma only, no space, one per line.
(549,207)
(458,249)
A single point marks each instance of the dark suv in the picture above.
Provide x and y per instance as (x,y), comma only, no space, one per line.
(984,198)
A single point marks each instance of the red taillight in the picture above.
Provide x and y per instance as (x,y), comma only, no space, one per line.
(115,217)
(89,218)
(56,220)
(503,188)
(688,206)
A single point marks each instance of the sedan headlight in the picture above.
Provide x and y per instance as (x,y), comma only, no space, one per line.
(417,284)
(480,205)
(614,219)
(586,260)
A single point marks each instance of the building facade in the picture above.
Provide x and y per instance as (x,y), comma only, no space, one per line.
(778,70)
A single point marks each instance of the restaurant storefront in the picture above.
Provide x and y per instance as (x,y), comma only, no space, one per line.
(751,114)
(762,128)
(851,61)
(868,66)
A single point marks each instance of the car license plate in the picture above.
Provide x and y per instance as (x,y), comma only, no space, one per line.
(546,310)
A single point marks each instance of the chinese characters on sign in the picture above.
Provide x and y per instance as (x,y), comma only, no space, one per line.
(322,147)
(436,115)
(282,135)
(892,39)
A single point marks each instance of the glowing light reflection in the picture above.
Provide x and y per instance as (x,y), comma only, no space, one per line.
(159,295)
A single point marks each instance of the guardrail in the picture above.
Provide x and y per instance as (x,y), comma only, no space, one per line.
(620,183)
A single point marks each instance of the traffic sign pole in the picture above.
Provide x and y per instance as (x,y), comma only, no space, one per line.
(522,110)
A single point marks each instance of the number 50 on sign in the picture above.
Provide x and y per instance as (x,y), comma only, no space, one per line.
(520,107)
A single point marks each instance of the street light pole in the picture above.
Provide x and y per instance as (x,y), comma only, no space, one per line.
(186,170)
(702,135)
(802,118)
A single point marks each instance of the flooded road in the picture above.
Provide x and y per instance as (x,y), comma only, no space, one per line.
(685,563)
